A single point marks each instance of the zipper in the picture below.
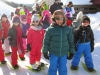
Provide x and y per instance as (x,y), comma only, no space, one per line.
(84,36)
(61,41)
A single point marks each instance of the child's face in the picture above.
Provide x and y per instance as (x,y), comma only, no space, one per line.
(85,23)
(35,23)
(16,23)
(4,19)
(59,20)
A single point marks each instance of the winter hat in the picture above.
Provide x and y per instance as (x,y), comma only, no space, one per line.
(85,18)
(46,12)
(15,19)
(23,17)
(35,17)
(29,14)
(4,15)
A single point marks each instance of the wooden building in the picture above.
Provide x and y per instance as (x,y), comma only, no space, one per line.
(95,2)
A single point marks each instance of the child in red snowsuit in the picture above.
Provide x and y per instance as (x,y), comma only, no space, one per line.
(5,25)
(34,42)
(2,59)
(15,36)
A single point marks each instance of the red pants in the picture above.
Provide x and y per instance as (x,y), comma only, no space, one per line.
(14,55)
(35,54)
(1,52)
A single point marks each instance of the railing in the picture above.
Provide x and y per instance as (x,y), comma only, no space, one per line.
(86,9)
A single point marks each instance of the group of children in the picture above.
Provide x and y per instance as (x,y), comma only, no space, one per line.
(57,42)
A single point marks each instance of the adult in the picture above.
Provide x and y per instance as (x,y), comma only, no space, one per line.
(69,9)
(55,6)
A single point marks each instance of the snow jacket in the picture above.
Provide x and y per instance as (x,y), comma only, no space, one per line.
(35,35)
(55,7)
(12,32)
(84,35)
(58,40)
(5,26)
(25,28)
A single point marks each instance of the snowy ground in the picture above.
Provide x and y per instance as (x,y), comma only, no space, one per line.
(95,24)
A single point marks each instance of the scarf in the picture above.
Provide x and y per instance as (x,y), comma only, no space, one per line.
(19,41)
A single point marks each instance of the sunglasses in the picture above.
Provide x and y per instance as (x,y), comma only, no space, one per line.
(85,21)
(35,21)
(59,18)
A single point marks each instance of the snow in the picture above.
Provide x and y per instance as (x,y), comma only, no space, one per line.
(77,2)
(95,24)
(22,1)
(4,8)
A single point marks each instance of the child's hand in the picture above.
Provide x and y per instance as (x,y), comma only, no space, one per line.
(9,38)
(70,56)
(46,56)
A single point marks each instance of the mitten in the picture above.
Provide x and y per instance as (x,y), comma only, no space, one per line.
(92,49)
(70,56)
(28,47)
(46,56)
(10,38)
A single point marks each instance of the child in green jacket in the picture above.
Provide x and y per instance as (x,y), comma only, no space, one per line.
(58,41)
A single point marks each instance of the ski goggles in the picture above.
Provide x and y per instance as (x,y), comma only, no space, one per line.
(59,18)
(35,21)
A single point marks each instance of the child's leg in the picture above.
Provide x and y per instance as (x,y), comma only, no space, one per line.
(53,65)
(38,55)
(78,54)
(6,45)
(24,43)
(88,57)
(32,55)
(14,56)
(1,52)
(62,69)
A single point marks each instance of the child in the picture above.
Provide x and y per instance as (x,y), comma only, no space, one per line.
(5,24)
(69,21)
(58,41)
(46,19)
(29,15)
(2,58)
(84,42)
(15,36)
(69,9)
(25,27)
(34,42)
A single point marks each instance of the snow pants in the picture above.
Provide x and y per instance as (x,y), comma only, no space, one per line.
(24,43)
(1,52)
(14,56)
(35,53)
(57,63)
(84,48)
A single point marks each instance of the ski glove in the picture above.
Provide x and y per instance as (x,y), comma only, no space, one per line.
(92,49)
(28,47)
(70,56)
(10,38)
(46,56)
